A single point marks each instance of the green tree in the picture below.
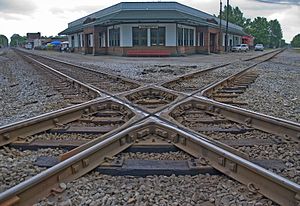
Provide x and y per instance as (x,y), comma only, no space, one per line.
(235,16)
(275,33)
(296,41)
(267,33)
(3,41)
(259,28)
(283,43)
(17,40)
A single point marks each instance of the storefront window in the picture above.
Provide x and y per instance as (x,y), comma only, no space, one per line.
(158,36)
(191,32)
(79,40)
(101,39)
(114,37)
(90,40)
(72,41)
(186,37)
(201,39)
(139,36)
(180,36)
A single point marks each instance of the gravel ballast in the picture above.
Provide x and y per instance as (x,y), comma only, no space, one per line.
(149,70)
(276,91)
(23,90)
(98,189)
(17,166)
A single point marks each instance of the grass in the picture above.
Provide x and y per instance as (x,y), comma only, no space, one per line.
(297,49)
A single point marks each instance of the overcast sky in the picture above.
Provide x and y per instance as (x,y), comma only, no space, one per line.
(50,17)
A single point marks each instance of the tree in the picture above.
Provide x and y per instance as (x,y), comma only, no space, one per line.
(275,33)
(3,41)
(259,28)
(267,33)
(17,40)
(235,16)
(296,41)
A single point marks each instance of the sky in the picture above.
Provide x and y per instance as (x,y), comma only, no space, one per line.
(50,17)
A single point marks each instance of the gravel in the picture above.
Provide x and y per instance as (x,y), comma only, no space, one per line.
(179,155)
(17,166)
(23,90)
(66,136)
(280,148)
(276,91)
(204,79)
(97,189)
(287,150)
(149,70)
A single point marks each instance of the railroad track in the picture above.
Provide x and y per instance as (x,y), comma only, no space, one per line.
(72,90)
(197,81)
(215,137)
(228,89)
(249,137)
(103,82)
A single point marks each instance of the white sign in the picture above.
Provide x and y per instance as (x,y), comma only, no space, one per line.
(148,26)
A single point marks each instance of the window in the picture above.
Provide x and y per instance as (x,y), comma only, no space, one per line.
(79,40)
(201,39)
(158,36)
(191,31)
(90,40)
(101,39)
(72,41)
(139,36)
(186,37)
(114,37)
(180,36)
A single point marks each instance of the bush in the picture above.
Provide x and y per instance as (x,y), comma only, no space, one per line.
(296,41)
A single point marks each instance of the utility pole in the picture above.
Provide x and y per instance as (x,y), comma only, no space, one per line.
(220,29)
(226,35)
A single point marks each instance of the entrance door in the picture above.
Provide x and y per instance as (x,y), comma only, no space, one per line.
(212,43)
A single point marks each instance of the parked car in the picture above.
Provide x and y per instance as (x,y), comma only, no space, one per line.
(259,47)
(240,48)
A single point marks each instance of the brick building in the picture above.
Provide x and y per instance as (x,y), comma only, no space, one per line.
(137,28)
(33,40)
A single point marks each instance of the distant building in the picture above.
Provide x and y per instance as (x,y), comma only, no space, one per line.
(33,40)
(141,28)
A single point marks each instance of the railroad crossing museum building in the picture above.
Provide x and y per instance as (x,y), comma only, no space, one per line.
(150,29)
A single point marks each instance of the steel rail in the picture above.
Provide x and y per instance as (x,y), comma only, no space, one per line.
(263,122)
(194,94)
(263,181)
(70,169)
(258,179)
(34,125)
(190,74)
(264,54)
(98,90)
(86,68)
(73,81)
(287,192)
(224,82)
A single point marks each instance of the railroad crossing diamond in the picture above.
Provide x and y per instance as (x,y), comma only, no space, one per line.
(152,99)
